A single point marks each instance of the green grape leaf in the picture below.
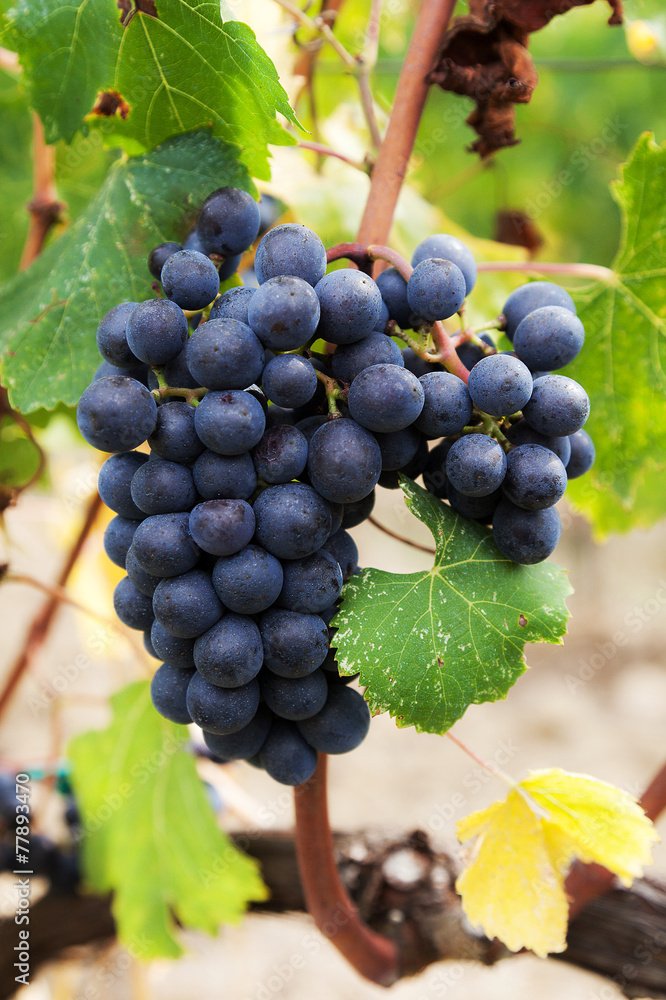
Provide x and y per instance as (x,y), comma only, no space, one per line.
(150,77)
(623,363)
(430,644)
(149,834)
(49,313)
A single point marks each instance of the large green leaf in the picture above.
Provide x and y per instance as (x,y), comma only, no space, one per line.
(149,834)
(623,363)
(430,644)
(184,69)
(49,313)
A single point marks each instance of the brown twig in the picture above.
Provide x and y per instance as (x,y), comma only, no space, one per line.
(45,208)
(401,538)
(410,97)
(41,623)
(372,955)
(322,150)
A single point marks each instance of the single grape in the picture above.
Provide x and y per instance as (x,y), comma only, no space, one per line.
(221,710)
(286,756)
(112,337)
(228,267)
(525,536)
(132,607)
(222,527)
(383,318)
(225,354)
(358,511)
(176,374)
(311,584)
(417,464)
(535,477)
(159,255)
(344,461)
(290,249)
(295,644)
(173,649)
(294,698)
(245,742)
(168,692)
(193,242)
(582,454)
(343,548)
(447,247)
(148,644)
(114,483)
(419,366)
(190,279)
(393,288)
(281,455)
(349,360)
(174,438)
(157,331)
(284,312)
(447,407)
(500,385)
(478,508)
(118,537)
(337,510)
(231,653)
(470,354)
(385,398)
(351,306)
(163,545)
(289,380)
(278,416)
(160,487)
(224,477)
(398,447)
(434,476)
(476,465)
(116,414)
(228,221)
(549,337)
(233,304)
(531,296)
(143,581)
(229,423)
(559,406)
(292,520)
(522,433)
(342,724)
(187,605)
(436,289)
(249,581)
(310,425)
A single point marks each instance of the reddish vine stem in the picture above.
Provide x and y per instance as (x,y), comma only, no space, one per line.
(401,538)
(43,620)
(372,955)
(587,882)
(45,208)
(410,98)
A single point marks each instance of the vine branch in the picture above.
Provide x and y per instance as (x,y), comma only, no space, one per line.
(43,620)
(595,271)
(45,208)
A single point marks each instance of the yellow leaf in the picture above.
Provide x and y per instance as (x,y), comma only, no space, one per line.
(513,885)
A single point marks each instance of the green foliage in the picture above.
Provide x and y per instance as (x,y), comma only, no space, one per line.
(430,644)
(149,834)
(623,363)
(180,71)
(49,313)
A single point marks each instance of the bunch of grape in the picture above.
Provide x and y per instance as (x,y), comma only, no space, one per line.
(263,452)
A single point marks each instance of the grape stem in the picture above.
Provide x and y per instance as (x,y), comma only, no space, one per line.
(165,391)
(333,393)
(322,150)
(45,208)
(594,271)
(372,955)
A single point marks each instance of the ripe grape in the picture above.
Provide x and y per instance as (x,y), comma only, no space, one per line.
(190,279)
(341,725)
(281,455)
(163,545)
(559,406)
(525,536)
(159,255)
(284,312)
(228,222)
(582,454)
(289,380)
(233,304)
(294,698)
(290,249)
(168,692)
(343,548)
(450,248)
(345,460)
(393,288)
(222,527)
(436,289)
(534,295)
(156,331)
(295,644)
(549,337)
(221,710)
(118,537)
(535,477)
(522,433)
(224,477)
(385,398)
(311,584)
(187,605)
(285,755)
(500,385)
(447,406)
(114,483)
(225,354)
(112,337)
(230,654)
(349,360)
(116,414)
(292,520)
(351,306)
(229,423)
(245,742)
(160,487)
(173,649)
(249,581)
(174,437)
(132,607)
(476,465)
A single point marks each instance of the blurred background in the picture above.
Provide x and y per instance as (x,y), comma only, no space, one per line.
(595,705)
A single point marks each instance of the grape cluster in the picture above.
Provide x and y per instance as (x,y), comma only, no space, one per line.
(264,451)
